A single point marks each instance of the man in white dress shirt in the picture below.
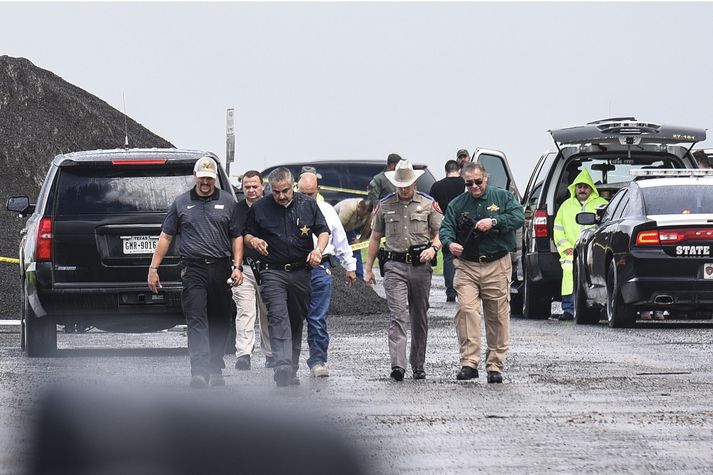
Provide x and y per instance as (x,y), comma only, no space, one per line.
(317,336)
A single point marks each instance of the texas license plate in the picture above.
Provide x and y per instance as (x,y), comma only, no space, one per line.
(139,244)
(708,270)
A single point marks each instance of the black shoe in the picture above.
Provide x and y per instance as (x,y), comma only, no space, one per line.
(216,380)
(565,317)
(243,363)
(397,374)
(451,298)
(495,377)
(198,382)
(419,373)
(269,362)
(466,372)
(283,375)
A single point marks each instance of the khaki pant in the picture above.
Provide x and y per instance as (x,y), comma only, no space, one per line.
(250,305)
(490,283)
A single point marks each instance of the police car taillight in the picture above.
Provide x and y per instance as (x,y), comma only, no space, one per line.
(43,247)
(539,223)
(666,237)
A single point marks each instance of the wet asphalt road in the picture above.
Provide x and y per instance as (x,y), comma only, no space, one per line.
(575,398)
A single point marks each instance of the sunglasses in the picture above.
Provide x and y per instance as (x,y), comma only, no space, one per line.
(477,182)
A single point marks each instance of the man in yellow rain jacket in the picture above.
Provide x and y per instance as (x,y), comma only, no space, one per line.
(583,196)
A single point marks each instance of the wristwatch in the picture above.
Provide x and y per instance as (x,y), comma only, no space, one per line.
(435,248)
(239,267)
(493,222)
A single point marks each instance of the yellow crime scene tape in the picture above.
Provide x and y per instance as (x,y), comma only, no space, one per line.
(10,260)
(363,245)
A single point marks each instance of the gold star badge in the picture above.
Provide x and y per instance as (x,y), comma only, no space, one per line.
(493,208)
(304,230)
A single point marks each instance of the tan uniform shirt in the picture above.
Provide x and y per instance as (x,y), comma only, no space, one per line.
(406,224)
(347,211)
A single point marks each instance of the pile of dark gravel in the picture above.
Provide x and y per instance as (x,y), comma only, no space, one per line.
(359,299)
(41,115)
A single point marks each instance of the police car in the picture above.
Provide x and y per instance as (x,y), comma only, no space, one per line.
(652,249)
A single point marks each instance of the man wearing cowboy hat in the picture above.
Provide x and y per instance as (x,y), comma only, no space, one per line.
(409,220)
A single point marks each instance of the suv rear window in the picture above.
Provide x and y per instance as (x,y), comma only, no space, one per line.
(120,189)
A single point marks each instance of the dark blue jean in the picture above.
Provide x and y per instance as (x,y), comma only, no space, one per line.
(351,235)
(568,303)
(317,336)
(448,272)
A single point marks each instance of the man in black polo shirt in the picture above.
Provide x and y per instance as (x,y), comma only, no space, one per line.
(206,220)
(280,229)
(443,191)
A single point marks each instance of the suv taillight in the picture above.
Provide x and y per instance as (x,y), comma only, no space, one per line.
(539,223)
(43,250)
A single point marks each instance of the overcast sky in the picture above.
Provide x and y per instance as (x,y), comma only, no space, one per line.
(314,81)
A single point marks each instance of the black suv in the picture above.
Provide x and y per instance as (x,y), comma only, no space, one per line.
(339,180)
(86,248)
(608,149)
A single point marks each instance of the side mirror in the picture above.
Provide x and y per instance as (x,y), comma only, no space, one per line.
(586,218)
(20,204)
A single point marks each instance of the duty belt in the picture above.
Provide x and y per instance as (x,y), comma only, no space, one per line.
(204,260)
(289,267)
(485,259)
(396,256)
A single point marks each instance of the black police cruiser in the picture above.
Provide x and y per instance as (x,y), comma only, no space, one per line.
(652,249)
(87,245)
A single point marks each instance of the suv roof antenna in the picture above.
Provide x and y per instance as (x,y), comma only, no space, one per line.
(126,128)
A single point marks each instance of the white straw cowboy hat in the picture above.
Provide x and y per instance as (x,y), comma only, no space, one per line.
(404,175)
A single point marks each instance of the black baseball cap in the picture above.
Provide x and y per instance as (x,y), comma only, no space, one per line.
(462,152)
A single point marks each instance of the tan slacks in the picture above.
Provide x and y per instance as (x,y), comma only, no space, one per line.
(488,283)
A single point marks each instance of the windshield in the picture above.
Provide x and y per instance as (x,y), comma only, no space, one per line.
(618,170)
(685,199)
(95,190)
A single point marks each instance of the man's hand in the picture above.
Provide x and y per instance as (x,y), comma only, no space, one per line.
(351,277)
(484,225)
(456,249)
(153,281)
(569,251)
(314,258)
(427,255)
(237,276)
(369,277)
(259,245)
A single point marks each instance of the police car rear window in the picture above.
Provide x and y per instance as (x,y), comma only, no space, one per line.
(686,199)
(120,189)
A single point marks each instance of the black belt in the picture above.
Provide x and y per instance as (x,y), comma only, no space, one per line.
(204,260)
(289,267)
(484,259)
(327,258)
(404,257)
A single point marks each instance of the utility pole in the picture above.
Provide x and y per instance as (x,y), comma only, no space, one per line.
(229,141)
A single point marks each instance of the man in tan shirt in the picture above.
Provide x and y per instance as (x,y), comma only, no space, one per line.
(409,220)
(355,214)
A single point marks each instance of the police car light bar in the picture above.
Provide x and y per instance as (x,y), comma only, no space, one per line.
(671,172)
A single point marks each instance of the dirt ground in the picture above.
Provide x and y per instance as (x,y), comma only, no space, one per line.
(585,399)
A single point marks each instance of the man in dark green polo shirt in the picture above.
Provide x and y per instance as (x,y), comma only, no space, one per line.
(479,230)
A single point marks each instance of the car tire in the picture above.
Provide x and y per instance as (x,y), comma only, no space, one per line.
(40,334)
(619,314)
(23,316)
(583,315)
(536,300)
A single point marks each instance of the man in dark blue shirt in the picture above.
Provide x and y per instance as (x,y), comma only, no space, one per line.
(280,229)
